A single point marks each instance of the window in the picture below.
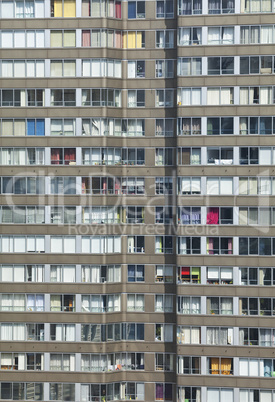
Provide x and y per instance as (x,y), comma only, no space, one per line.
(102,215)
(63,185)
(136,68)
(220,275)
(164,274)
(136,97)
(136,9)
(62,303)
(219,216)
(189,215)
(112,332)
(188,96)
(113,127)
(219,245)
(22,273)
(23,214)
(164,244)
(257,276)
(256,306)
(164,185)
(62,332)
(255,7)
(165,39)
(101,273)
(189,126)
(22,97)
(256,64)
(21,302)
(189,156)
(133,215)
(220,96)
(164,361)
(189,275)
(256,245)
(62,273)
(63,244)
(22,156)
(256,95)
(100,303)
(22,361)
(249,155)
(256,336)
(60,215)
(63,8)
(257,125)
(22,68)
(189,305)
(189,66)
(22,9)
(99,97)
(164,68)
(23,38)
(164,303)
(101,38)
(101,68)
(255,185)
(188,335)
(219,185)
(92,8)
(113,185)
(61,392)
(133,39)
(23,390)
(189,245)
(111,362)
(256,367)
(63,97)
(63,38)
(63,156)
(62,362)
(164,332)
(164,215)
(23,244)
(113,156)
(188,365)
(164,392)
(165,9)
(220,366)
(220,125)
(101,244)
(135,302)
(164,156)
(63,68)
(135,273)
(190,393)
(189,7)
(220,65)
(218,6)
(219,305)
(189,36)
(219,336)
(164,97)
(136,244)
(62,127)
(189,185)
(220,35)
(34,332)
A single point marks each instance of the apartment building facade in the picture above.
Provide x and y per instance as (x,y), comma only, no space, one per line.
(137,200)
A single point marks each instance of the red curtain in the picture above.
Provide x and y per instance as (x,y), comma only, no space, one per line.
(118,9)
(212,216)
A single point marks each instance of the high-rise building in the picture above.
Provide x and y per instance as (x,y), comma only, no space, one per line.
(137,200)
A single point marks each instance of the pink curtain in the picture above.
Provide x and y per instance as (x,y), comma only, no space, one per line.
(230,246)
(86,38)
(118,39)
(212,216)
(210,245)
(118,9)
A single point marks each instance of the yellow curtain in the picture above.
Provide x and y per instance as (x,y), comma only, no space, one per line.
(196,274)
(215,365)
(69,8)
(57,8)
(124,40)
(131,40)
(139,40)
(56,39)
(226,366)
